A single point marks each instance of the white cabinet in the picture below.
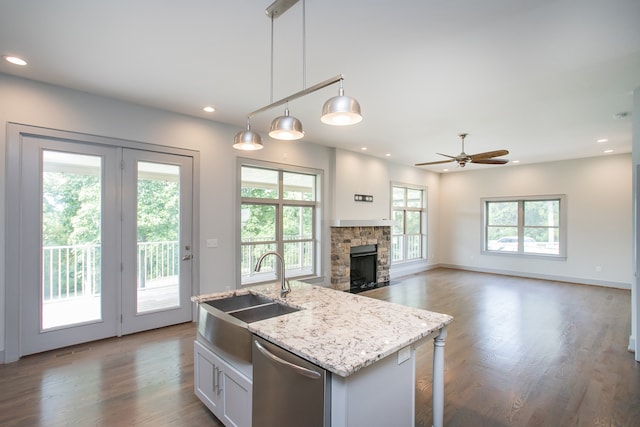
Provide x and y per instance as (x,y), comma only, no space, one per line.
(222,388)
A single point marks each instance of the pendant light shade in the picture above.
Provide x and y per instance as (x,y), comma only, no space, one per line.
(247,140)
(287,128)
(341,110)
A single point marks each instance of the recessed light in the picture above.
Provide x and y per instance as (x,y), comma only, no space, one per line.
(608,151)
(364,148)
(209,109)
(603,140)
(388,155)
(15,60)
(445,170)
(516,161)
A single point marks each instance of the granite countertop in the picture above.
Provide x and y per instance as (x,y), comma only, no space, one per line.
(339,331)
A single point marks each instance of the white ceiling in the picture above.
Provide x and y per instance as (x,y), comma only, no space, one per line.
(541,78)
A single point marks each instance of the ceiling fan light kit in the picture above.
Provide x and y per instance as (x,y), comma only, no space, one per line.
(338,111)
(486,158)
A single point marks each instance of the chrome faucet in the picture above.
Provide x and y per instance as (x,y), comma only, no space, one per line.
(285,288)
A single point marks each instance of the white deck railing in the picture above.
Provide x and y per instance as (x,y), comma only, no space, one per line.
(75,271)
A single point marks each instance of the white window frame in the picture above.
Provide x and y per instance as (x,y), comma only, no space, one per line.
(279,204)
(562,226)
(423,222)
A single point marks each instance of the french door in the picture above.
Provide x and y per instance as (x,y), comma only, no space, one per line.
(105,241)
(156,240)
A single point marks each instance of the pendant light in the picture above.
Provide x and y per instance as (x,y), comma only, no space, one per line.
(247,140)
(341,110)
(287,128)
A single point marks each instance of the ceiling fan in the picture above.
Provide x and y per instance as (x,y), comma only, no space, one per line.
(463,158)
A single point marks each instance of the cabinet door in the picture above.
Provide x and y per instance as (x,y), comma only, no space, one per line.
(222,388)
(236,395)
(206,377)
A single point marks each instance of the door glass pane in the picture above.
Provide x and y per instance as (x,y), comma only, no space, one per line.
(158,230)
(71,238)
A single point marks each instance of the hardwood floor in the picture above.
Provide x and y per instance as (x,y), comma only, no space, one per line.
(144,379)
(520,352)
(525,352)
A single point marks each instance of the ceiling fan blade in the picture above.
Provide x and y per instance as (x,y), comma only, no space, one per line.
(489,154)
(490,161)
(446,155)
(435,163)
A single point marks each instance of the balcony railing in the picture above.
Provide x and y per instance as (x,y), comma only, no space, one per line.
(298,258)
(75,271)
(405,247)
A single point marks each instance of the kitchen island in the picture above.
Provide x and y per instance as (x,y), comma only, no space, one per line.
(367,345)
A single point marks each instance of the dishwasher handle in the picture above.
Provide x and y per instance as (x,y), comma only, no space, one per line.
(299,369)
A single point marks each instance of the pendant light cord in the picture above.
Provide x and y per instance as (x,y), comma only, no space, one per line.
(271,70)
(304,45)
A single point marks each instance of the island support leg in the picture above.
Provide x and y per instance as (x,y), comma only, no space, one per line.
(438,378)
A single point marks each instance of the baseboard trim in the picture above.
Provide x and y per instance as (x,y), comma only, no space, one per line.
(408,269)
(578,280)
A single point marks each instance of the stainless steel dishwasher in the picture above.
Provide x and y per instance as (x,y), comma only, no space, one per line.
(288,391)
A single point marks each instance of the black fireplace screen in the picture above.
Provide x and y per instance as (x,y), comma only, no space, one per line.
(364,260)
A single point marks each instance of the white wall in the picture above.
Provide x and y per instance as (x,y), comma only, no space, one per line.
(598,194)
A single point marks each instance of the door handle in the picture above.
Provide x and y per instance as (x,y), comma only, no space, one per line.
(299,369)
(187,257)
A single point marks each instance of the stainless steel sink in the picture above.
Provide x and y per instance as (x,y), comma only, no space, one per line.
(238,302)
(263,312)
(223,322)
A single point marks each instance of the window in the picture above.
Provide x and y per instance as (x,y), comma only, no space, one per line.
(409,233)
(278,213)
(531,226)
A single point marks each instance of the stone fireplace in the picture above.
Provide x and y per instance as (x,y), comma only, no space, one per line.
(344,238)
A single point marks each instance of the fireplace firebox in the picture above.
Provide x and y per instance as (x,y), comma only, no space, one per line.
(364,260)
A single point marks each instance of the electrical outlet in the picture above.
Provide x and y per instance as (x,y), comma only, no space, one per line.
(404,354)
(212,243)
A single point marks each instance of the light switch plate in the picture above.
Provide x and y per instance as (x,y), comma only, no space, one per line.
(212,243)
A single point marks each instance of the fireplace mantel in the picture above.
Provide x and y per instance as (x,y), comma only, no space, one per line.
(362,223)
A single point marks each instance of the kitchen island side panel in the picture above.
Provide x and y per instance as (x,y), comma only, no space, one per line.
(379,395)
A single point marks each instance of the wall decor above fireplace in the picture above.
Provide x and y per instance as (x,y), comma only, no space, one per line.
(363,198)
